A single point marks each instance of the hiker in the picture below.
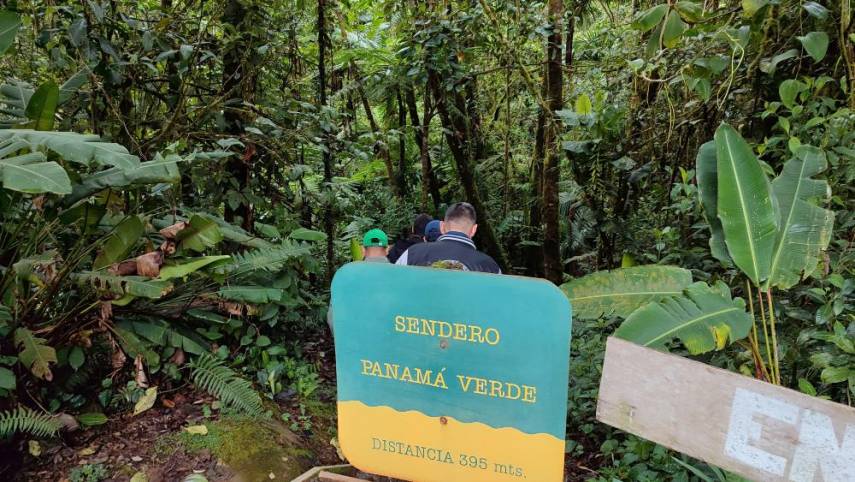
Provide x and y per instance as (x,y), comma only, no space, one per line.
(374,245)
(455,248)
(416,235)
(432,232)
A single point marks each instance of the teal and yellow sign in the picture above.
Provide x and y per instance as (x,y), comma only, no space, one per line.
(450,376)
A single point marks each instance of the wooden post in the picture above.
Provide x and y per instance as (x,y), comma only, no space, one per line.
(752,428)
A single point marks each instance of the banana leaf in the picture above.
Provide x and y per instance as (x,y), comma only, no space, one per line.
(707,172)
(702,318)
(805,228)
(745,205)
(621,291)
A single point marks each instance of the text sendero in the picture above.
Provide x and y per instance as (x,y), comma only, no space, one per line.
(456,331)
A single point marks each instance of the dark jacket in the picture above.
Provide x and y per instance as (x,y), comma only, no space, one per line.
(451,250)
(401,246)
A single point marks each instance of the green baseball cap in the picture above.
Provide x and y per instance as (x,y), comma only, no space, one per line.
(375,238)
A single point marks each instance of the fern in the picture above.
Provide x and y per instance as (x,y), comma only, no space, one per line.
(211,375)
(23,419)
(268,259)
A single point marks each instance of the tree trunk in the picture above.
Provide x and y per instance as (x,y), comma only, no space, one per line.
(381,148)
(552,264)
(462,132)
(239,83)
(429,183)
(329,226)
(402,143)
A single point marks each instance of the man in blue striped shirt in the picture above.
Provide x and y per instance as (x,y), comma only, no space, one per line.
(455,248)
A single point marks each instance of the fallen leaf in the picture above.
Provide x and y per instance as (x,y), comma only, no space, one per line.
(35,448)
(87,451)
(124,268)
(119,358)
(149,264)
(146,401)
(140,378)
(197,429)
(170,232)
(139,477)
(179,357)
(68,422)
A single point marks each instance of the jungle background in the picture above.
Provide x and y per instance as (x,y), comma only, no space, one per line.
(182,178)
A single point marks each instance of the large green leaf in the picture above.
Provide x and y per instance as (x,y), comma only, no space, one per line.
(805,228)
(14,97)
(35,354)
(745,205)
(120,242)
(80,148)
(308,235)
(707,172)
(816,44)
(160,169)
(789,91)
(184,267)
(9,23)
(702,318)
(750,7)
(34,178)
(250,294)
(125,285)
(650,17)
(200,234)
(690,11)
(621,291)
(42,106)
(673,30)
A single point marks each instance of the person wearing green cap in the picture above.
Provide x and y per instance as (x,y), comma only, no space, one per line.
(374,245)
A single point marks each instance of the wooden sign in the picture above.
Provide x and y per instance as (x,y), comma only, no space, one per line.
(447,375)
(747,426)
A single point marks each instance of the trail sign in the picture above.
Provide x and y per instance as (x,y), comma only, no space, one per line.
(448,375)
(747,426)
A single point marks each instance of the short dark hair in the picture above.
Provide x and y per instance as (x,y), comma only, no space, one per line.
(420,223)
(461,211)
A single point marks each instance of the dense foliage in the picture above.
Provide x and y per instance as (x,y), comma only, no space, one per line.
(180,180)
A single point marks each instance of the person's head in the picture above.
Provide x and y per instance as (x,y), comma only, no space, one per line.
(460,217)
(374,243)
(432,231)
(419,224)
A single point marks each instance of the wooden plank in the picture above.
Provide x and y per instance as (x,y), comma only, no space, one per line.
(325,476)
(312,473)
(744,425)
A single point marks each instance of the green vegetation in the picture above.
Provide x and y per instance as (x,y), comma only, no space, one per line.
(251,447)
(180,180)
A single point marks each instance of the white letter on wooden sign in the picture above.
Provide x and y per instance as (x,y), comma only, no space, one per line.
(817,449)
(743,429)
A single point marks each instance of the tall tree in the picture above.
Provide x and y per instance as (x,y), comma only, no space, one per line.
(462,123)
(329,222)
(430,185)
(239,78)
(553,86)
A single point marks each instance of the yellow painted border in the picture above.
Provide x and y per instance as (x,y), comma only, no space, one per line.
(413,446)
